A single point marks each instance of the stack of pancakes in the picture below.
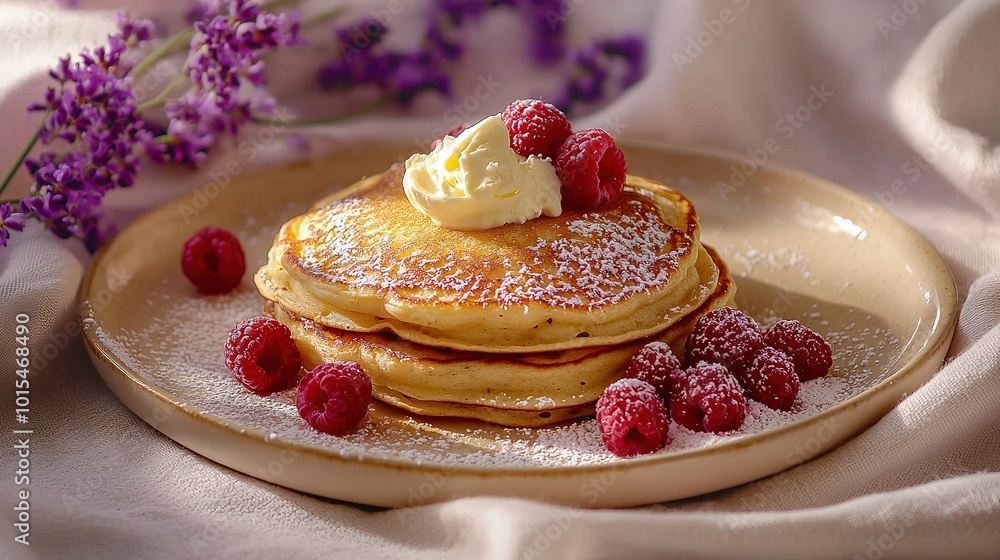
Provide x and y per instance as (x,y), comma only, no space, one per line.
(521,325)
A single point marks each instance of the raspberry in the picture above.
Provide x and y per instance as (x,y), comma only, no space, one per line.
(711,400)
(591,169)
(657,365)
(262,356)
(810,354)
(772,380)
(632,419)
(453,133)
(724,336)
(334,397)
(213,261)
(535,128)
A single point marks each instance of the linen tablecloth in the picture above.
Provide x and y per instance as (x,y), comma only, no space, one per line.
(902,81)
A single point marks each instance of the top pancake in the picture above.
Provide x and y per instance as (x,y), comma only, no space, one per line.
(365,260)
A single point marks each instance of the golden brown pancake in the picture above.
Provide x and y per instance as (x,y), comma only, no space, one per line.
(522,325)
(513,389)
(365,260)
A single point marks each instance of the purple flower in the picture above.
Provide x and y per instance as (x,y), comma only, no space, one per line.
(359,37)
(592,66)
(230,37)
(456,12)
(51,209)
(228,46)
(68,190)
(548,29)
(443,18)
(9,220)
(632,50)
(416,73)
(196,122)
(133,31)
(401,75)
(298,142)
(91,108)
(200,10)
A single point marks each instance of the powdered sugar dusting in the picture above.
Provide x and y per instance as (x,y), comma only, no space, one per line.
(180,351)
(604,263)
(590,261)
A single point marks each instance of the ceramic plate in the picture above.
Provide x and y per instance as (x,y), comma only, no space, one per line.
(799,247)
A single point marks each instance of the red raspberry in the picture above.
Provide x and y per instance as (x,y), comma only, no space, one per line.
(632,419)
(657,365)
(262,356)
(710,401)
(811,355)
(771,379)
(334,397)
(591,169)
(535,128)
(724,336)
(213,260)
(453,133)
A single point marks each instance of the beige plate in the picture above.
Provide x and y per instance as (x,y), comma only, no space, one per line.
(799,246)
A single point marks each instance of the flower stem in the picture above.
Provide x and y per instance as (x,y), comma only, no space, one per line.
(381,102)
(20,159)
(276,4)
(322,17)
(162,96)
(181,38)
(163,50)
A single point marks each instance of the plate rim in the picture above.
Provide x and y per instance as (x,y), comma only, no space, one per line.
(934,346)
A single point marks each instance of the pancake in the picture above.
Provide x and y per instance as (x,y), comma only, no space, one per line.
(364,260)
(527,389)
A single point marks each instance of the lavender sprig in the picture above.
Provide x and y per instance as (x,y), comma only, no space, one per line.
(226,49)
(402,75)
(92,109)
(593,65)
(9,220)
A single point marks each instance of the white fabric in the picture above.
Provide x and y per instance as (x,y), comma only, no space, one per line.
(903,80)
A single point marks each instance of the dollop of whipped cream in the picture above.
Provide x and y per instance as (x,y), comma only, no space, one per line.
(476,181)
